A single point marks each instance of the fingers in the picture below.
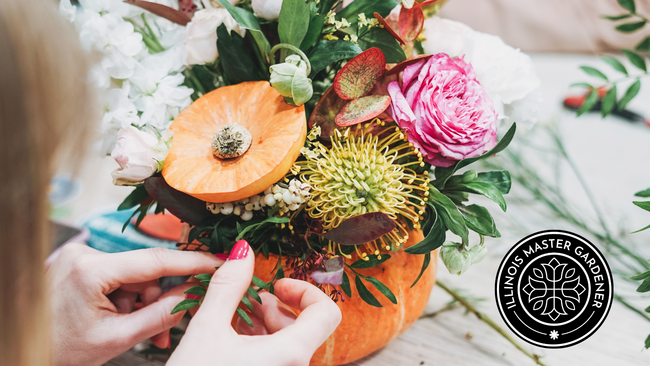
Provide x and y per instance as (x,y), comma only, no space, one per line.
(227,288)
(275,314)
(258,328)
(123,300)
(319,315)
(150,264)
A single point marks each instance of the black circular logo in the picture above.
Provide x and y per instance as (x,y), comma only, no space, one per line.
(554,289)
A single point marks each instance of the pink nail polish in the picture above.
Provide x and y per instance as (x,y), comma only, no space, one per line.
(193,297)
(240,250)
(221,256)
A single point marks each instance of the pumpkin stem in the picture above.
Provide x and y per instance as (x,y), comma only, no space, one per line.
(231,141)
(294,49)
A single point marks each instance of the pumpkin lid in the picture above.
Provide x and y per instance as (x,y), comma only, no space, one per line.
(278,131)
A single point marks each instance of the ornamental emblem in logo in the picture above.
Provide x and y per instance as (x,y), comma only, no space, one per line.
(554,289)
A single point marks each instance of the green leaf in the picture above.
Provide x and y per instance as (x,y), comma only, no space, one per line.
(616,17)
(371,262)
(628,5)
(594,72)
(609,101)
(434,239)
(442,174)
(366,295)
(382,39)
(641,277)
(644,45)
(647,342)
(647,310)
(247,20)
(589,102)
(196,290)
(630,27)
(635,60)
(425,265)
(498,178)
(184,305)
(645,286)
(582,85)
(644,193)
(616,64)
(259,283)
(449,214)
(630,93)
(485,189)
(203,277)
(345,285)
(316,21)
(640,230)
(293,22)
(368,7)
(382,288)
(327,52)
(643,204)
(205,283)
(478,219)
(242,314)
(247,302)
(253,294)
(236,61)
(136,197)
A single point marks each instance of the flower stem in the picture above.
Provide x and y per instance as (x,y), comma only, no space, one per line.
(484,318)
(294,49)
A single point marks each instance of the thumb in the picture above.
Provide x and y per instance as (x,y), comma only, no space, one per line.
(227,287)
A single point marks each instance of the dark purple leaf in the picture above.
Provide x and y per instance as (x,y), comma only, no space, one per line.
(185,207)
(361,229)
(324,114)
(171,14)
(328,278)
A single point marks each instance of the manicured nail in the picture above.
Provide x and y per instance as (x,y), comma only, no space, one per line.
(193,297)
(169,342)
(239,251)
(221,256)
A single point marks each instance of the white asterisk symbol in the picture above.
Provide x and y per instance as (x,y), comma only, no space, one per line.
(554,334)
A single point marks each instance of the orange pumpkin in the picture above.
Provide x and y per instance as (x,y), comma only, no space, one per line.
(365,328)
(278,133)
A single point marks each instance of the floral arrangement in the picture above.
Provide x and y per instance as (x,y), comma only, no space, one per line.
(316,130)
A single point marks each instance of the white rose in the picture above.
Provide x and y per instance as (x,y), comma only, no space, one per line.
(201,35)
(506,73)
(139,154)
(267,9)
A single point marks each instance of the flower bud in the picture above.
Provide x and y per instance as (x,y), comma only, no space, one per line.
(469,176)
(226,208)
(267,9)
(290,80)
(455,257)
(477,253)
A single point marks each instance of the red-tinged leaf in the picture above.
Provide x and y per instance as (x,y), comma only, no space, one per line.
(185,207)
(362,109)
(324,114)
(411,22)
(171,14)
(361,229)
(402,65)
(425,3)
(187,7)
(359,75)
(389,28)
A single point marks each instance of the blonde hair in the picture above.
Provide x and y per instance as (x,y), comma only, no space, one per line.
(44,102)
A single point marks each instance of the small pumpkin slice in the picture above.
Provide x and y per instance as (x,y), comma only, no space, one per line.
(278,133)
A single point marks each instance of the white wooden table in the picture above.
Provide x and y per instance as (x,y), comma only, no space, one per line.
(612,154)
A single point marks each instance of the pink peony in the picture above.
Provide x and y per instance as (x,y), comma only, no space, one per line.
(445,112)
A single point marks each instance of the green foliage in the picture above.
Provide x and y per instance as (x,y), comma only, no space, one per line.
(425,265)
(594,72)
(136,197)
(628,5)
(589,102)
(630,93)
(373,260)
(184,305)
(365,294)
(382,39)
(609,101)
(326,53)
(237,62)
(293,23)
(630,27)
(635,60)
(434,237)
(345,285)
(616,64)
(247,20)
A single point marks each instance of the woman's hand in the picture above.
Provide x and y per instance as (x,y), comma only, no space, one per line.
(93,295)
(278,336)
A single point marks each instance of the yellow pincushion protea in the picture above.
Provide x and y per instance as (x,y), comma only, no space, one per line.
(366,171)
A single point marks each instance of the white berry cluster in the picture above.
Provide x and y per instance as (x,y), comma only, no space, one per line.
(287,197)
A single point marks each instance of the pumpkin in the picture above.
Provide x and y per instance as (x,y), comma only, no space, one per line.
(277,133)
(365,328)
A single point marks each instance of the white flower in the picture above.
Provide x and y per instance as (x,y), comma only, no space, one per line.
(507,74)
(209,4)
(267,9)
(68,10)
(140,154)
(119,112)
(201,35)
(117,7)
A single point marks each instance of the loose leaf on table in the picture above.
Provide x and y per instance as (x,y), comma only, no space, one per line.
(433,239)
(237,63)
(366,295)
(479,220)
(594,72)
(359,75)
(382,288)
(616,64)
(136,197)
(485,189)
(636,60)
(425,265)
(163,11)
(185,207)
(293,22)
(345,285)
(589,102)
(498,178)
(449,213)
(247,20)
(184,305)
(373,260)
(442,174)
(362,109)
(361,229)
(643,193)
(630,27)
(382,39)
(390,29)
(411,22)
(324,114)
(327,52)
(630,93)
(609,101)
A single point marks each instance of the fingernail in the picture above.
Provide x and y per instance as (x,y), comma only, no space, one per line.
(239,251)
(193,297)
(169,341)
(221,256)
